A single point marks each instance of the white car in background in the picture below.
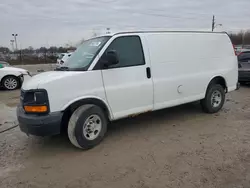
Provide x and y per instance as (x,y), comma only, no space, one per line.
(63,58)
(12,78)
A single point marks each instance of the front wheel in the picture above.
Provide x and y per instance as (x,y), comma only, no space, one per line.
(11,83)
(87,126)
(214,100)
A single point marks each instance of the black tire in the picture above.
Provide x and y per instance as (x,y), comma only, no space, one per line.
(207,104)
(76,126)
(14,79)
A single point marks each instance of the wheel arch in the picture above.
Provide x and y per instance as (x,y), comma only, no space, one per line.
(218,80)
(72,106)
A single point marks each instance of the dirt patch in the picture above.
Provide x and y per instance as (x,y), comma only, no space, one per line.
(176,147)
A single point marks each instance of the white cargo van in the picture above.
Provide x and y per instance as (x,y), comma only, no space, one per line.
(125,74)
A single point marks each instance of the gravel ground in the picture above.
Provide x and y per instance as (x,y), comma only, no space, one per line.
(36,67)
(176,147)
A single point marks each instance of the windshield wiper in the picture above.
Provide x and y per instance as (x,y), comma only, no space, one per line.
(72,69)
(62,68)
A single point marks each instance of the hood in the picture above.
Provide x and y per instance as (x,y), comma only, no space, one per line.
(13,69)
(46,77)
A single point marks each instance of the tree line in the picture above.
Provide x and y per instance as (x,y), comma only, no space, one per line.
(240,38)
(31,50)
(32,56)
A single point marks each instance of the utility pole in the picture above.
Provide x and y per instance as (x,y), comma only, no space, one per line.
(213,23)
(15,35)
(243,39)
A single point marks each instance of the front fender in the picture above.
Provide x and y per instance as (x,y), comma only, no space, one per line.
(90,98)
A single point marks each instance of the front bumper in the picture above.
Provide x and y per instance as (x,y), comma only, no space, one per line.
(39,125)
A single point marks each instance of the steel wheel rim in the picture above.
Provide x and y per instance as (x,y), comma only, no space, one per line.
(92,127)
(10,83)
(216,99)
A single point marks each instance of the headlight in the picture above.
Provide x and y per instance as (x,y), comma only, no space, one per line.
(35,101)
(39,97)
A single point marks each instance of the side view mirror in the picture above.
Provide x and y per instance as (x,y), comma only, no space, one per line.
(110,58)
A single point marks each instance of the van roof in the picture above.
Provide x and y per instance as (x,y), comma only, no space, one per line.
(163,31)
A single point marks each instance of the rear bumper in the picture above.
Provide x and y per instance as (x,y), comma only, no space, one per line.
(39,125)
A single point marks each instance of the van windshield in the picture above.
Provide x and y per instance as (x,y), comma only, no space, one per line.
(82,58)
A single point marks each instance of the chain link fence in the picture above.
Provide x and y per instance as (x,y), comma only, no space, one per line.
(21,58)
(33,62)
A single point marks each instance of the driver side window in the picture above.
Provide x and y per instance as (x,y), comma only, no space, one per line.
(129,51)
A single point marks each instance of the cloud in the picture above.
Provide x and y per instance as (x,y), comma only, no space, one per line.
(51,22)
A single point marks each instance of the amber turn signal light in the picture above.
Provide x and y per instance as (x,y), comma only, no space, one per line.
(38,109)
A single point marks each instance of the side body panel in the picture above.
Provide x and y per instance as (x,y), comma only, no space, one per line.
(183,64)
(69,87)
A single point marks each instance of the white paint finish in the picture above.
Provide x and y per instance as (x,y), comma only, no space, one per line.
(190,60)
(26,78)
(46,77)
(128,89)
(128,95)
(66,87)
(182,65)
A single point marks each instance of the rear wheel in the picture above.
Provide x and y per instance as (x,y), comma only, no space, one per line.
(214,100)
(11,83)
(87,126)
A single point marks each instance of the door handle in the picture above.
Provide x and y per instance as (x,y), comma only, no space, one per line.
(148,72)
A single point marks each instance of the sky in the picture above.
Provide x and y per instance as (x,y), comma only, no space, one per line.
(60,22)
